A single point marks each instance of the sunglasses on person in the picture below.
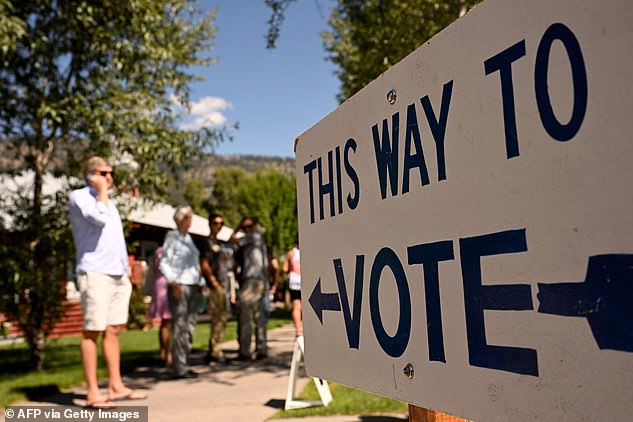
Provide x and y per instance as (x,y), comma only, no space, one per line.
(247,226)
(104,173)
(217,223)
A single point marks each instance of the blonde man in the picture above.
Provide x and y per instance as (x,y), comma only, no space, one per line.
(102,276)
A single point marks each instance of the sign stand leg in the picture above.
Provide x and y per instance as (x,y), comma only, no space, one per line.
(420,414)
(321,384)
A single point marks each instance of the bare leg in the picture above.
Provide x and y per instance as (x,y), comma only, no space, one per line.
(161,343)
(165,341)
(88,347)
(113,360)
(296,316)
(116,388)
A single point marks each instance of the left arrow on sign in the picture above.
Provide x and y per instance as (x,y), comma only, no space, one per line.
(323,301)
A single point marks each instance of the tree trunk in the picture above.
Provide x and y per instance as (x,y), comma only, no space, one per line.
(38,312)
(42,158)
(37,346)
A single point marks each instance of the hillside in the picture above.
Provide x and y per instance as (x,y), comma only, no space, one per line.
(204,168)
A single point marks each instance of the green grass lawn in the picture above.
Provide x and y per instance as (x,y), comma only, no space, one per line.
(346,401)
(62,368)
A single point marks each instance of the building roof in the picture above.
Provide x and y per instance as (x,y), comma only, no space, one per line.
(157,214)
(162,215)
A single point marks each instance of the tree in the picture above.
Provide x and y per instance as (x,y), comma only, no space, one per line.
(31,275)
(268,194)
(277,17)
(224,199)
(271,197)
(367,37)
(370,36)
(79,78)
(195,196)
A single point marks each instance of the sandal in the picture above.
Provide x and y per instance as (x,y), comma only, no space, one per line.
(130,395)
(99,404)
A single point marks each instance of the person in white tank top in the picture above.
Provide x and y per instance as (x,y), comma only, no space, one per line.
(292,267)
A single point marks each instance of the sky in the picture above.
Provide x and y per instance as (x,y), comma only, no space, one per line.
(273,95)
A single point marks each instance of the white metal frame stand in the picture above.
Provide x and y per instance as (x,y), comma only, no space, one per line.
(321,384)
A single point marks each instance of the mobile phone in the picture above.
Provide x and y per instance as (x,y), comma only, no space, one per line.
(89,178)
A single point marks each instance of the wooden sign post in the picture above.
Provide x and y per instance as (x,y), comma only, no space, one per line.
(419,414)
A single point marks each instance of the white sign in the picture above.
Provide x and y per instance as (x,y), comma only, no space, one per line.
(479,230)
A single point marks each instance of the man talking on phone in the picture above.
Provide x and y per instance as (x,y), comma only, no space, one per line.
(102,277)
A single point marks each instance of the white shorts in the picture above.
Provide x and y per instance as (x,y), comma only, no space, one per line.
(104,300)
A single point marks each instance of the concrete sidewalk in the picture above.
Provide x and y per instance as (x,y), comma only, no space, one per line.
(245,391)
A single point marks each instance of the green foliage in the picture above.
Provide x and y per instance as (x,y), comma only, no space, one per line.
(271,197)
(137,312)
(98,79)
(267,194)
(224,198)
(367,37)
(79,78)
(31,265)
(11,28)
(278,14)
(370,36)
(195,196)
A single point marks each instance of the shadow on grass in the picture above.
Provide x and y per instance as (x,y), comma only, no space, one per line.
(132,360)
(49,393)
(14,367)
(280,313)
(59,355)
(40,391)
